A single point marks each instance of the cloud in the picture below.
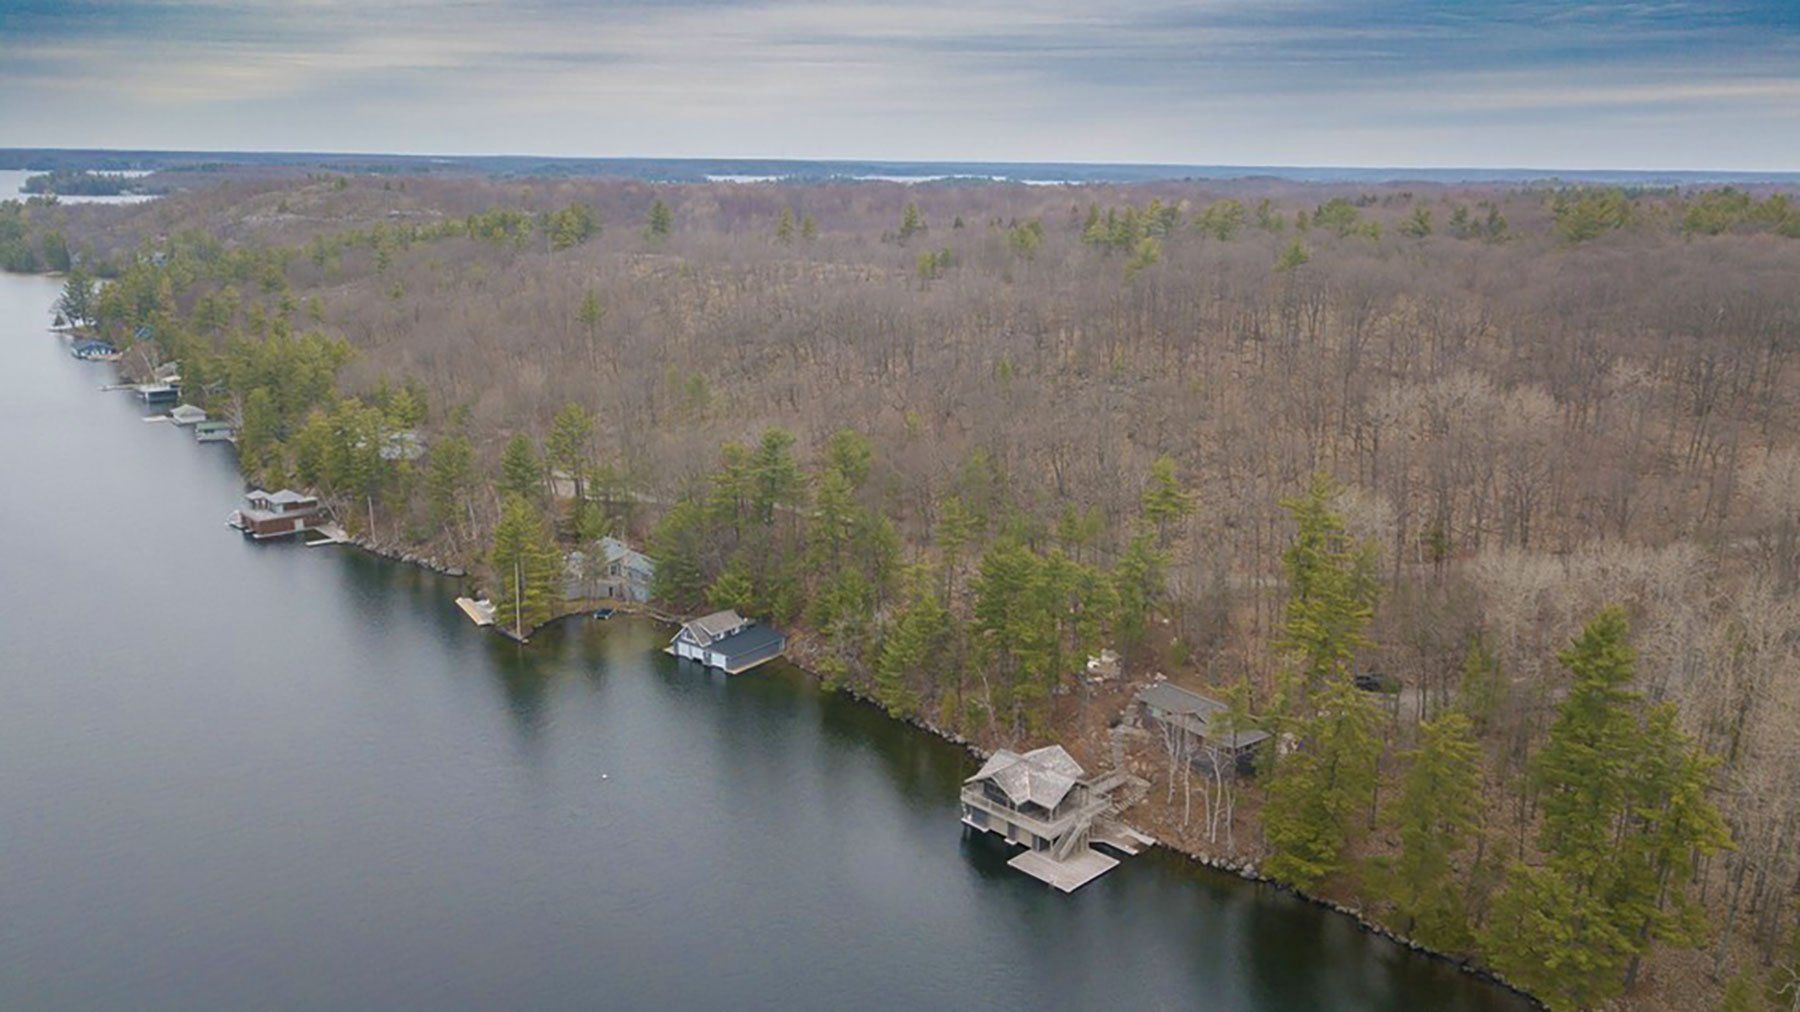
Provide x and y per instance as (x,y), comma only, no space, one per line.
(1253,81)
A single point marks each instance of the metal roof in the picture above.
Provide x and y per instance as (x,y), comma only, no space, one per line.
(1194,712)
(747,640)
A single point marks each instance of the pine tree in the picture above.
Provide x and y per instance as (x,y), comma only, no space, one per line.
(449,470)
(784,227)
(1139,581)
(592,312)
(677,543)
(733,589)
(911,222)
(1437,811)
(566,448)
(1626,818)
(776,478)
(660,221)
(912,649)
(1330,594)
(809,228)
(1165,501)
(523,565)
(1321,790)
(521,473)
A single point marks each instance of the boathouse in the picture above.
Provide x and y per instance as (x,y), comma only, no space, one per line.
(214,431)
(94,351)
(277,514)
(727,641)
(1202,727)
(187,414)
(1044,801)
(158,393)
(628,572)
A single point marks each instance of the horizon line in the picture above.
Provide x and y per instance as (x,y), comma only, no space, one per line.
(1247,167)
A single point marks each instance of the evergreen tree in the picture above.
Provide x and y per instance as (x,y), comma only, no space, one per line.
(1626,819)
(1438,809)
(809,229)
(776,478)
(1139,580)
(911,222)
(784,227)
(848,452)
(1293,257)
(521,473)
(591,312)
(566,448)
(1318,791)
(678,543)
(1165,501)
(912,649)
(1481,690)
(660,221)
(1331,594)
(77,302)
(733,589)
(450,469)
(524,567)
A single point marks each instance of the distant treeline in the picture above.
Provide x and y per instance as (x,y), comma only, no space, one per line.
(82,183)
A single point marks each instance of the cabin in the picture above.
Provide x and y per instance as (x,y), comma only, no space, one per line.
(1045,802)
(1198,722)
(158,393)
(727,641)
(277,514)
(187,414)
(628,573)
(214,430)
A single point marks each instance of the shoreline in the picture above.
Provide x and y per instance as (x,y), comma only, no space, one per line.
(1246,869)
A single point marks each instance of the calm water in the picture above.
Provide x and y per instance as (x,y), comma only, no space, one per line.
(239,775)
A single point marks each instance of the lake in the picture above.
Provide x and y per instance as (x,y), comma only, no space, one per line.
(265,775)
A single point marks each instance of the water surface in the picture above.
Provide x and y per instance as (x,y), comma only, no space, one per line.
(241,775)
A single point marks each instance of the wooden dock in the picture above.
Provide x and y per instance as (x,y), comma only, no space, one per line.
(331,534)
(480,612)
(1069,874)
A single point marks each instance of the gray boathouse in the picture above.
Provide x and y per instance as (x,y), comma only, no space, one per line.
(1044,801)
(727,641)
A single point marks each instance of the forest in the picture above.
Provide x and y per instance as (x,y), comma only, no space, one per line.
(1524,459)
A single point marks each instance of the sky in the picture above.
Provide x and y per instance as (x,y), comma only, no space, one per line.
(1653,84)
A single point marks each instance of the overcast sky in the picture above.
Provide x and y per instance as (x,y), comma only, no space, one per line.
(1708,84)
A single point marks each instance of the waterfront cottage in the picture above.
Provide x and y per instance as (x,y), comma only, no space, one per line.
(727,641)
(1201,729)
(276,514)
(629,573)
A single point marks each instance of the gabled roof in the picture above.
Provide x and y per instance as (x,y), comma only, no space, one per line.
(618,551)
(1043,776)
(289,496)
(707,628)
